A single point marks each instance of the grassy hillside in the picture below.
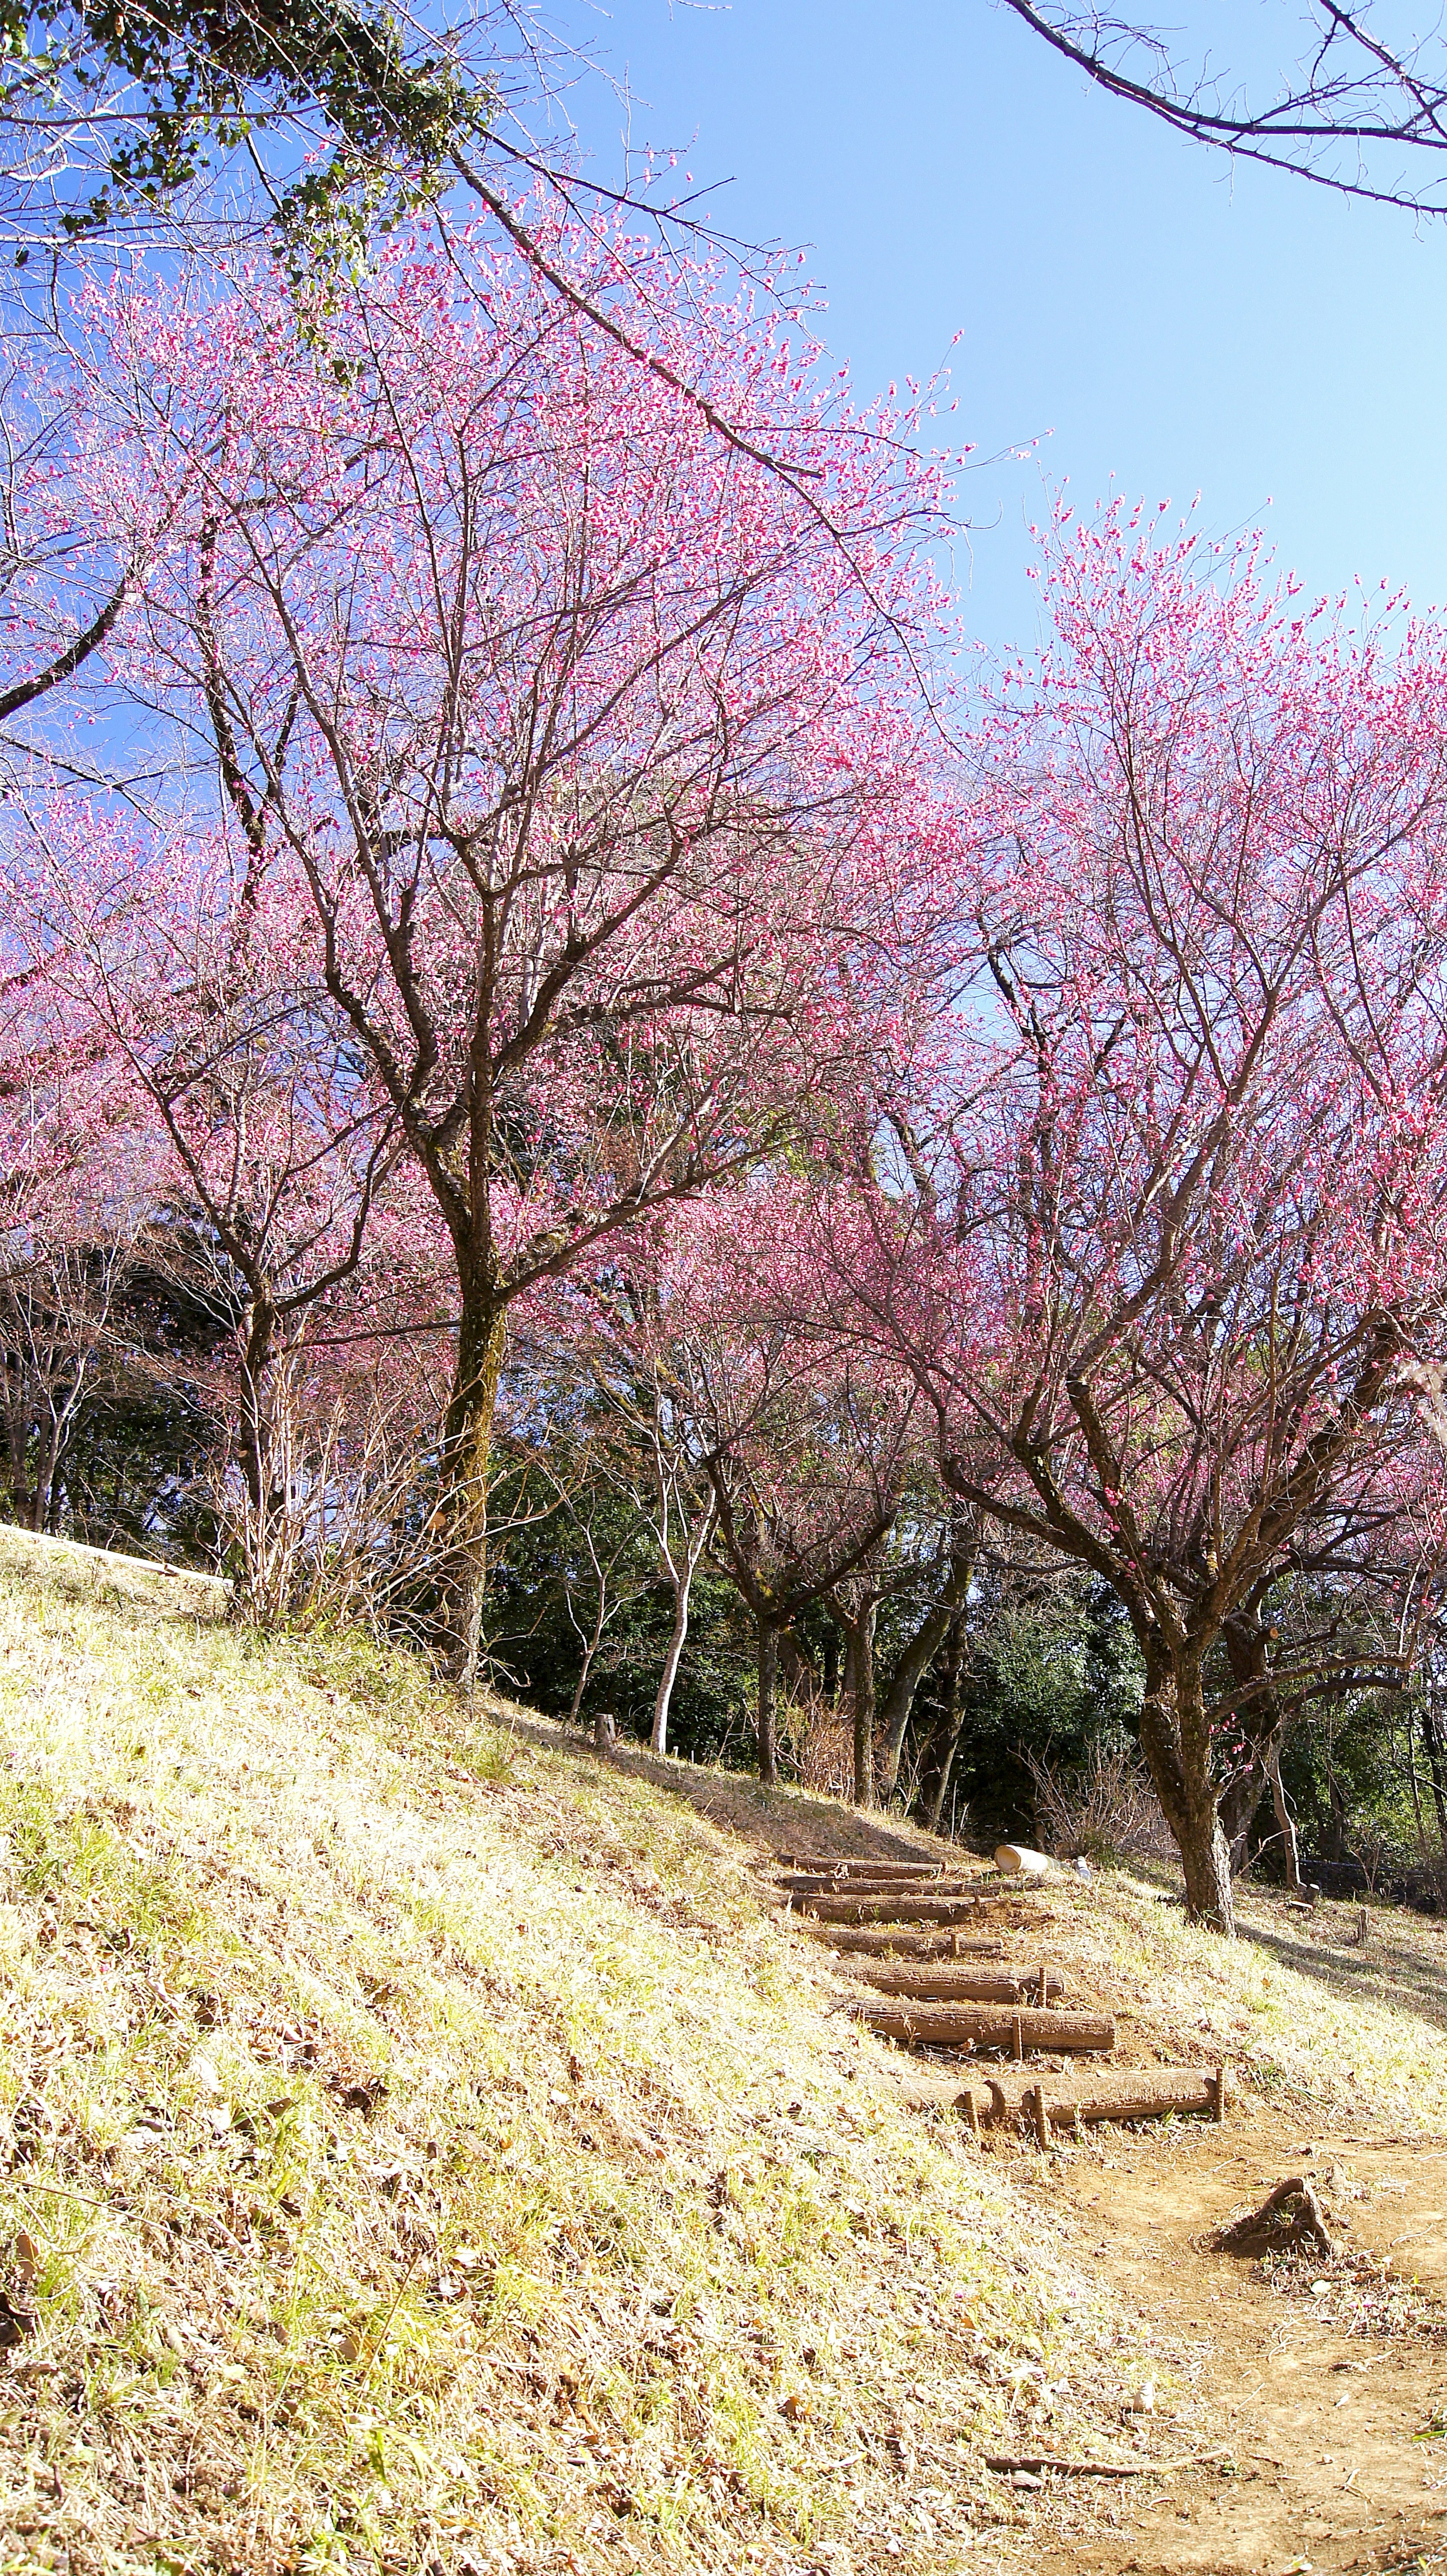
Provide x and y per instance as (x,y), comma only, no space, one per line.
(420,2150)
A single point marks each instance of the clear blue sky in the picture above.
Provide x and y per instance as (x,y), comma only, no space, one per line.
(1176,324)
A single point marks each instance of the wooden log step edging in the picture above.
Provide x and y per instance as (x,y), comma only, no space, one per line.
(924,2025)
(948,1981)
(862,1882)
(908,1909)
(1071,2101)
(897,1941)
(843,1869)
(876,1892)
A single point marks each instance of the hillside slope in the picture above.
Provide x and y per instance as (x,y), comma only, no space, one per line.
(419,2149)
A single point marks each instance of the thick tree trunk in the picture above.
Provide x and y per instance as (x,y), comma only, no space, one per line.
(768,1676)
(1266,1729)
(1175,1739)
(859,1670)
(262,1460)
(258,1425)
(462,1507)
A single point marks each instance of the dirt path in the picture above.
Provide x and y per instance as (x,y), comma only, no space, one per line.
(1330,2404)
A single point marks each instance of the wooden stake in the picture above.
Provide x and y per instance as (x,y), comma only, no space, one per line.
(1220,2103)
(1044,1994)
(1019,2043)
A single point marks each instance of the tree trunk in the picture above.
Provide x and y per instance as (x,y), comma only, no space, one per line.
(945,1741)
(1175,1739)
(261,1440)
(914,1662)
(859,1668)
(658,1737)
(918,1655)
(682,1590)
(1432,1745)
(768,1674)
(462,1507)
(1418,1818)
(590,1648)
(258,1429)
(1285,1820)
(1266,1729)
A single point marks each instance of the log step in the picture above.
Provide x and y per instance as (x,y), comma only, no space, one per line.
(866,1884)
(810,1893)
(1127,2093)
(984,2026)
(889,1941)
(829,1866)
(946,1982)
(906,1909)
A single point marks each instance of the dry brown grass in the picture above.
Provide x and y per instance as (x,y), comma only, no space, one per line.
(419,2150)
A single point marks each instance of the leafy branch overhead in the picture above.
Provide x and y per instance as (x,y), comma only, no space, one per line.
(111,112)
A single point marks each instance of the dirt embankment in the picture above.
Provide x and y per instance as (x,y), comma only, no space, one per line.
(422,2146)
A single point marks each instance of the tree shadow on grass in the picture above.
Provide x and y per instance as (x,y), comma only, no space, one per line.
(783,1820)
(1402,1961)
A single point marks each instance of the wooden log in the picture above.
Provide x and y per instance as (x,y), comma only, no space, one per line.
(861,1883)
(891,1941)
(983,2026)
(1104,2093)
(948,1982)
(1017,1860)
(828,1866)
(905,1909)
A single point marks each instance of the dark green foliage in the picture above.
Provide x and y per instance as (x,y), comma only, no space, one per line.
(122,1348)
(536,1649)
(1055,1678)
(1347,1778)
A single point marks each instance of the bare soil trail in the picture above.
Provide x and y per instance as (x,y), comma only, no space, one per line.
(1321,2384)
(1291,2402)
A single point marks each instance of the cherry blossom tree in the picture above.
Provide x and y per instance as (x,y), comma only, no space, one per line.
(72,1202)
(809,1445)
(579,748)
(1159,1214)
(205,1013)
